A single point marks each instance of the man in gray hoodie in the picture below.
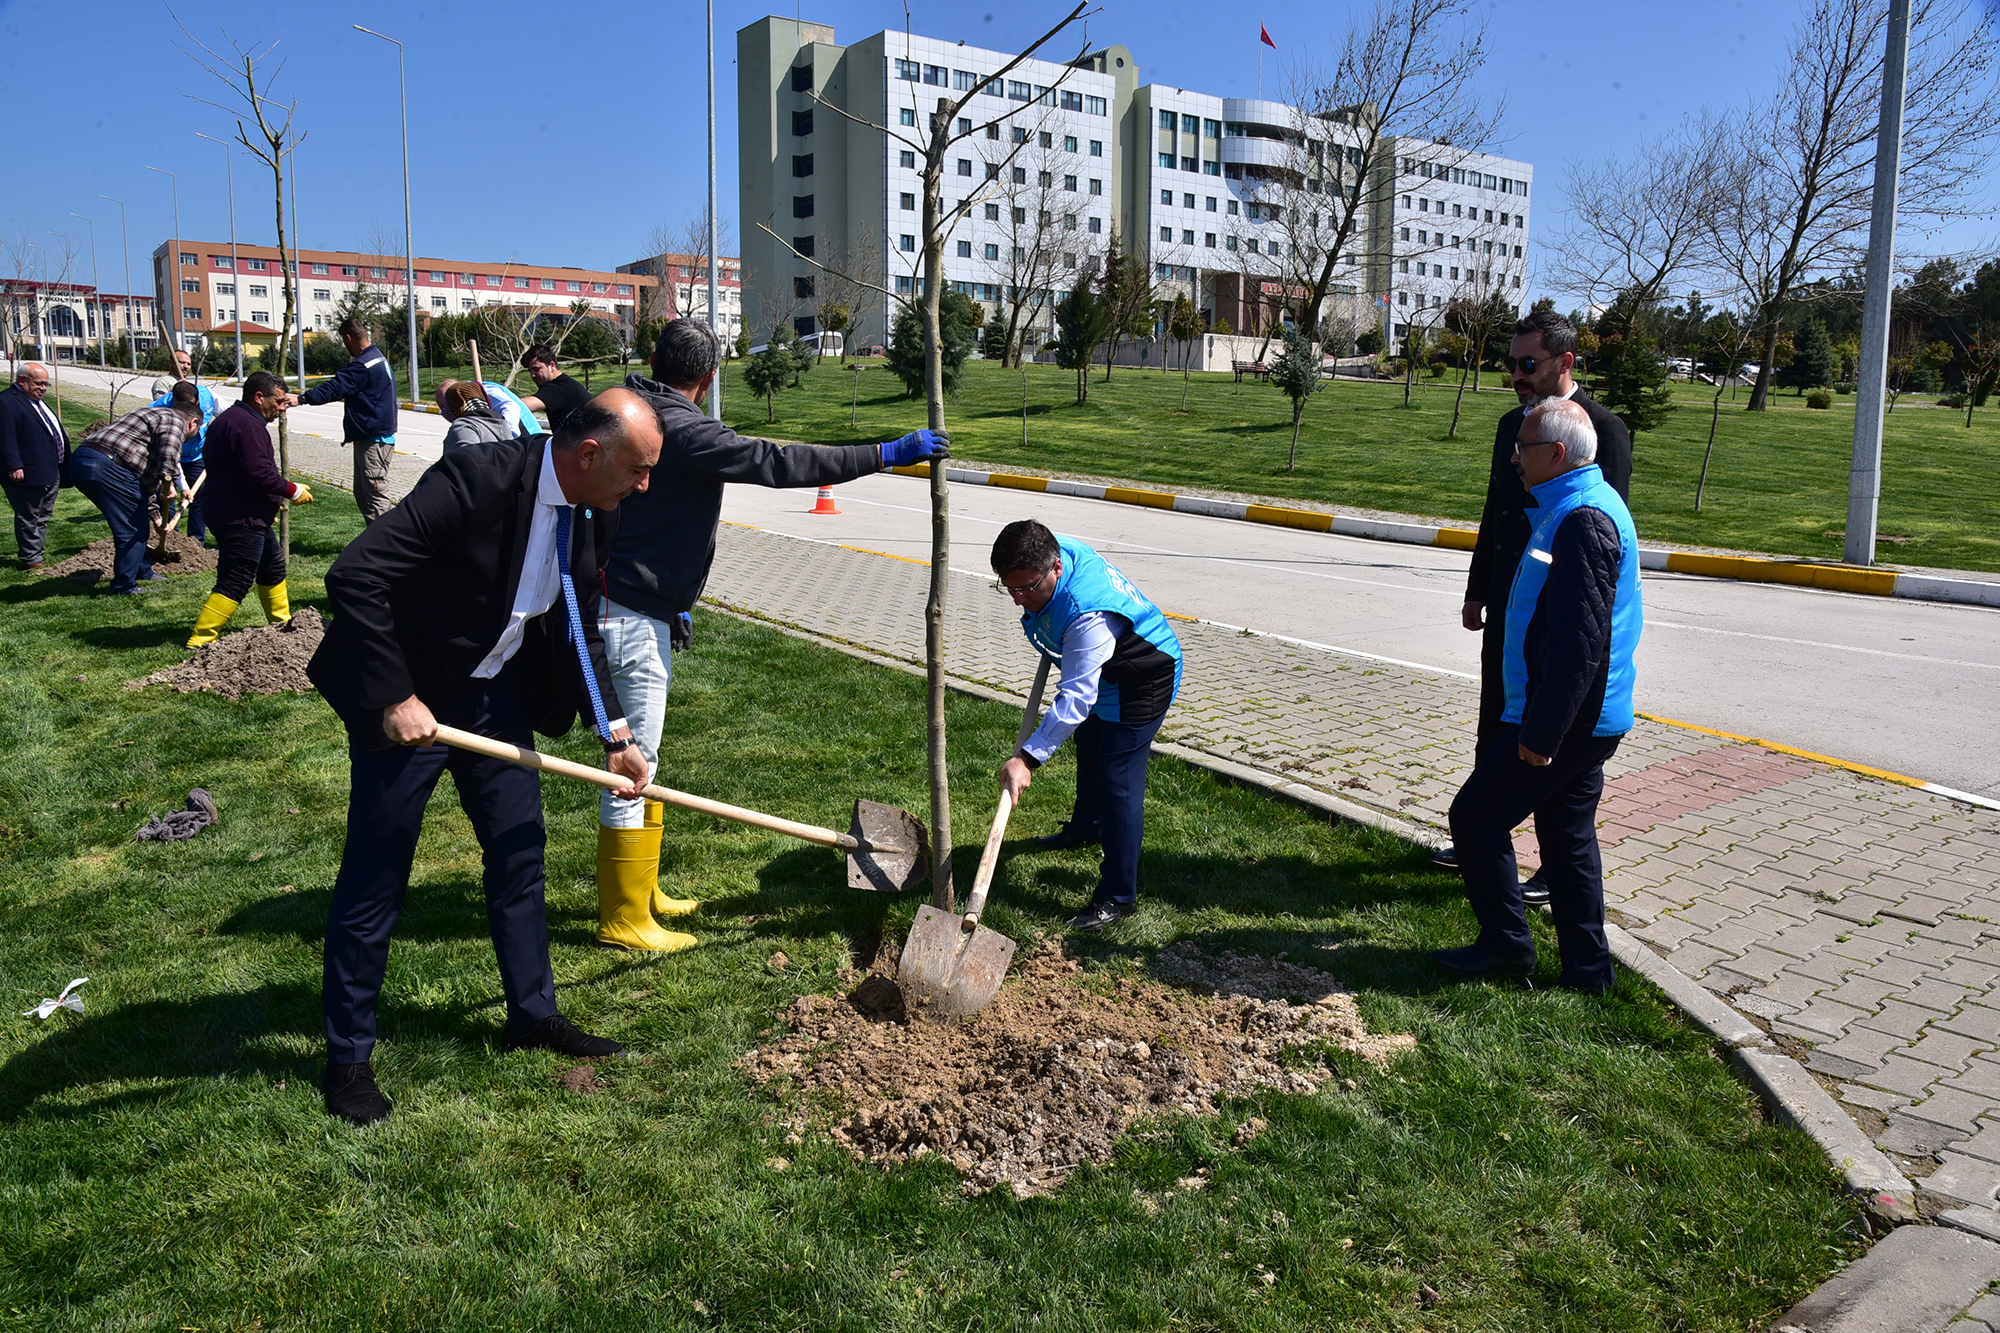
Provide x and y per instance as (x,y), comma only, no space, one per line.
(654,576)
(473,420)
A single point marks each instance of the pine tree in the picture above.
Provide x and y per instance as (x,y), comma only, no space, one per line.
(1812,360)
(1634,379)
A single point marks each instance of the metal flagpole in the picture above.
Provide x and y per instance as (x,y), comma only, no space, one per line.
(298,268)
(97,292)
(174,259)
(1864,478)
(235,314)
(409,246)
(714,321)
(131,339)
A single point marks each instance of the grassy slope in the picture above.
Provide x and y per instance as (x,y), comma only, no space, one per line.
(1544,1161)
(1778,482)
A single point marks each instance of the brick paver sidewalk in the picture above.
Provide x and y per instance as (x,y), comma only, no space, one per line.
(1847,913)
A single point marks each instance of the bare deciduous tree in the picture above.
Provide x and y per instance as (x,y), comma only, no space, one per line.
(1634,224)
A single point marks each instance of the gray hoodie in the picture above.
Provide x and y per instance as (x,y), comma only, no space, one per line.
(477,424)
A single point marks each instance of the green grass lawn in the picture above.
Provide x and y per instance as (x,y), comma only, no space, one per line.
(1541,1160)
(1778,482)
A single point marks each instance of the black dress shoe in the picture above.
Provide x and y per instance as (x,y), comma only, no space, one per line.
(352,1095)
(1535,892)
(1066,838)
(1477,962)
(1101,914)
(556,1033)
(1445,857)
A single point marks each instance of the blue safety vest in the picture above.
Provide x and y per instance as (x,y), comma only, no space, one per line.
(509,405)
(1556,499)
(207,397)
(1089,583)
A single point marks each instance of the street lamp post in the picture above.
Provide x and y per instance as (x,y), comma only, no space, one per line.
(174,258)
(131,340)
(715,386)
(298,274)
(235,313)
(1864,478)
(96,292)
(409,246)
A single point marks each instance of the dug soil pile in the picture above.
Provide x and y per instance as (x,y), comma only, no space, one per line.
(264,660)
(1050,1074)
(182,555)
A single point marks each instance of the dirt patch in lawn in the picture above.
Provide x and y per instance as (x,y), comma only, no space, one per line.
(1051,1074)
(181,555)
(265,660)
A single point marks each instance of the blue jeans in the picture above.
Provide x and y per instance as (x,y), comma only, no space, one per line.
(114,488)
(639,650)
(192,470)
(1111,760)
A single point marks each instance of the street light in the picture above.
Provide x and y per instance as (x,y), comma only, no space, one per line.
(715,386)
(298,266)
(96,292)
(131,341)
(174,258)
(409,246)
(235,312)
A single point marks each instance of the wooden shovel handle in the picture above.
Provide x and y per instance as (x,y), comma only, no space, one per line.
(1032,713)
(548,763)
(988,859)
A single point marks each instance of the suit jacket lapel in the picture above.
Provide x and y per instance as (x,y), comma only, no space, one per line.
(524,517)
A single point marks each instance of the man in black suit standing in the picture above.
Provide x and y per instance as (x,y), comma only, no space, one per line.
(33,445)
(1543,355)
(473,603)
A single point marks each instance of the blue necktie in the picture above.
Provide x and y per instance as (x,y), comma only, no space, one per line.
(576,621)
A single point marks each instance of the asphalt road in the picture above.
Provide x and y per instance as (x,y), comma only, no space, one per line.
(1906,686)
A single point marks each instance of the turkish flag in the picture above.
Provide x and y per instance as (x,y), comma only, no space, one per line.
(1264,36)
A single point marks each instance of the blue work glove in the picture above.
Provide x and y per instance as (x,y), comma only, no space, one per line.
(915,448)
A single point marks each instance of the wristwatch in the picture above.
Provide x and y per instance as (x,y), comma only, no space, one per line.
(613,747)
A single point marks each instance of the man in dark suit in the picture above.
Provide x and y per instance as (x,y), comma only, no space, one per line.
(33,445)
(473,603)
(1543,355)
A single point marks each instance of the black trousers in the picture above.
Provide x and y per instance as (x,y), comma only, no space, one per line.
(1562,796)
(385,813)
(1492,658)
(247,552)
(1111,759)
(33,506)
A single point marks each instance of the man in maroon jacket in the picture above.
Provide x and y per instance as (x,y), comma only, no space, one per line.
(242,496)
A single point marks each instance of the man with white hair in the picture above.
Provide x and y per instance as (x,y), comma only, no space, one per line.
(1571,629)
(33,445)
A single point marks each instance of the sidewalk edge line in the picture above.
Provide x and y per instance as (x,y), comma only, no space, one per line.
(1848,1153)
(1819,574)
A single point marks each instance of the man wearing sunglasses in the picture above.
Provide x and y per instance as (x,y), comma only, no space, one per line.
(1121,666)
(1543,354)
(1570,626)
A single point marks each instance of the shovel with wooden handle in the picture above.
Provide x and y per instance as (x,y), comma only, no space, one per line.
(887,848)
(952,966)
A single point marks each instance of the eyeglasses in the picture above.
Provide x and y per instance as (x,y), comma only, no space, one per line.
(1526,364)
(1025,590)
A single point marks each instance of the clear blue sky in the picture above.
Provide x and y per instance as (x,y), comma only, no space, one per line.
(595,109)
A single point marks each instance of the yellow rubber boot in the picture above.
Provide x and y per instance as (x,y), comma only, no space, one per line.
(663,905)
(277,602)
(215,613)
(628,868)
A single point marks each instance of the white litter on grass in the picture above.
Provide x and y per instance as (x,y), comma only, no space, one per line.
(67,1000)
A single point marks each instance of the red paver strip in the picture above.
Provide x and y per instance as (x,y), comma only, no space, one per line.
(1675,788)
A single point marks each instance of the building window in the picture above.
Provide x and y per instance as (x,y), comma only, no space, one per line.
(1020,175)
(993,171)
(1093,106)
(907,242)
(906,158)
(1405,266)
(1437,270)
(802,78)
(1517,280)
(218,261)
(1517,252)
(521,285)
(902,286)
(349,271)
(255,265)
(225,289)
(322,293)
(1072,102)
(191,313)
(190,284)
(1253,245)
(573,286)
(319,271)
(909,201)
(1211,168)
(937,76)
(1097,148)
(1208,239)
(1166,161)
(597,288)
(1166,199)
(993,252)
(1232,208)
(1097,226)
(1167,121)
(993,132)
(1019,92)
(260,316)
(1016,134)
(193,260)
(1044,179)
(1069,183)
(259,291)
(907,70)
(438,303)
(965,166)
(1211,129)
(1454,273)
(802,244)
(1096,186)
(993,213)
(802,288)
(548,284)
(802,123)
(1190,124)
(906,115)
(1229,242)
(965,249)
(1069,143)
(1187,237)
(1167,234)
(466,303)
(1045,139)
(802,164)
(802,205)
(625,288)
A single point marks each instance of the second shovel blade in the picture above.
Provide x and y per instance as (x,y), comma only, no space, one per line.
(898,855)
(947,974)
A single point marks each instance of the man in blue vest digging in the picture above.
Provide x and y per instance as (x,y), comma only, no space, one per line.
(1573,621)
(1121,666)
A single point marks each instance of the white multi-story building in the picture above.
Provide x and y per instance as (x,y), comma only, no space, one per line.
(1212,194)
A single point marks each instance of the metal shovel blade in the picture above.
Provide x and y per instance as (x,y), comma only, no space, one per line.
(948,973)
(895,849)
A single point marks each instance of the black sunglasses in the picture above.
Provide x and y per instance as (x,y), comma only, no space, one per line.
(1526,364)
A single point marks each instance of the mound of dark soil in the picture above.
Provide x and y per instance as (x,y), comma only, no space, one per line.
(1051,1073)
(182,554)
(265,660)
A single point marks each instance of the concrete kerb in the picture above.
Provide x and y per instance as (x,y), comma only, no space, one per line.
(1784,1085)
(1753,569)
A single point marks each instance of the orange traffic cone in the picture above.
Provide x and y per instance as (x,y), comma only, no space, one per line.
(824,505)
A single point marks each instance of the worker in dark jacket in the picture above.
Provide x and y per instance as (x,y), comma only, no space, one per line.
(367,386)
(244,492)
(1570,629)
(666,543)
(1543,354)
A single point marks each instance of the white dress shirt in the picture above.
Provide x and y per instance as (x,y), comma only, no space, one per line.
(1087,645)
(541,576)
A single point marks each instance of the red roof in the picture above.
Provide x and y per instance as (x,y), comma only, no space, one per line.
(248,327)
